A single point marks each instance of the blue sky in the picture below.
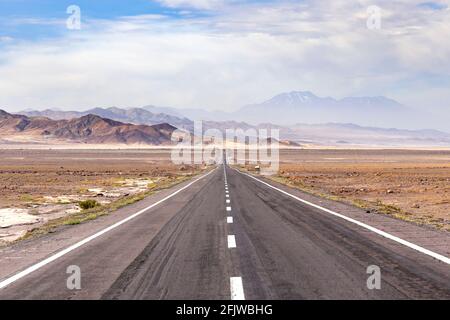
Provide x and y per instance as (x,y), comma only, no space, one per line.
(221,54)
(97,8)
(15,13)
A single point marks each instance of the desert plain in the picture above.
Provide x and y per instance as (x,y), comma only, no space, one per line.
(42,188)
(412,185)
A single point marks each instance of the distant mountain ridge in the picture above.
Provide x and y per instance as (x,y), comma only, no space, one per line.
(295,98)
(301,116)
(330,133)
(86,129)
(132,115)
(283,109)
(304,106)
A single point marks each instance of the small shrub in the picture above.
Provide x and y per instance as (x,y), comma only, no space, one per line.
(27,198)
(72,222)
(88,204)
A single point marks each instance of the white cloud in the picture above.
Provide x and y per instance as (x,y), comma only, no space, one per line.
(199,4)
(6,39)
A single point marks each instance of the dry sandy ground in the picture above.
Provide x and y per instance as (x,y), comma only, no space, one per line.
(412,185)
(37,186)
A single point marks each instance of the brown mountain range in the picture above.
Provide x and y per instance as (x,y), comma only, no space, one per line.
(86,129)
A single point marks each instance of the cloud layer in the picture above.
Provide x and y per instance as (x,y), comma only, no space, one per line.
(222,55)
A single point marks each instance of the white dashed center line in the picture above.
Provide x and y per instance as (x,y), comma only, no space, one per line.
(231,242)
(236,288)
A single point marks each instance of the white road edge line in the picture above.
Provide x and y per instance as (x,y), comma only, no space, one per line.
(236,288)
(63,252)
(231,241)
(229,219)
(361,224)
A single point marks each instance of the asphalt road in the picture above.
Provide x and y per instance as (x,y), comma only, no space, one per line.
(261,244)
